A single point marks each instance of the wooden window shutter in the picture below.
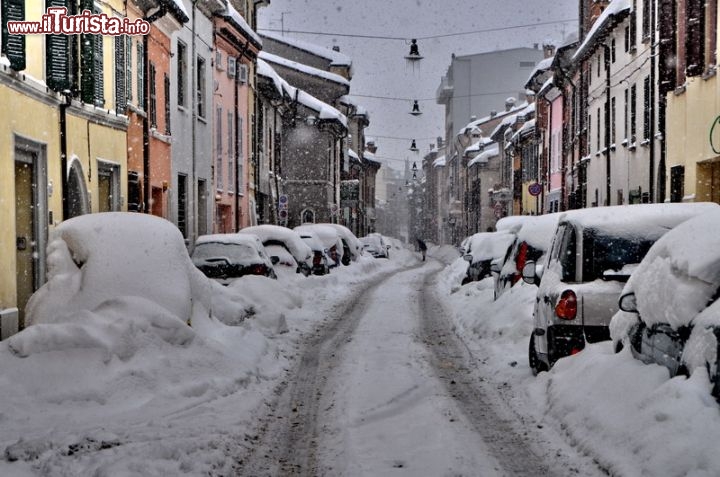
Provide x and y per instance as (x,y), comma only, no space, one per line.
(13,46)
(668,45)
(153,96)
(141,75)
(98,73)
(166,93)
(128,67)
(120,79)
(87,61)
(57,56)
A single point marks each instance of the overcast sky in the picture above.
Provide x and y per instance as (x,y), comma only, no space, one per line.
(380,68)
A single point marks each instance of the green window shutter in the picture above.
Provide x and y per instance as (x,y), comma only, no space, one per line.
(13,46)
(128,62)
(57,56)
(98,73)
(87,60)
(141,75)
(120,83)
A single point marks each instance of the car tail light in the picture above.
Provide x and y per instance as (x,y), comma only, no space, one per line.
(258,269)
(566,308)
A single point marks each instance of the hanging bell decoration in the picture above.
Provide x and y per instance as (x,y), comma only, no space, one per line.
(413,146)
(416,109)
(414,54)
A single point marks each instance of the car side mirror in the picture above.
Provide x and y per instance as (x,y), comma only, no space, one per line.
(529,273)
(628,303)
(467,257)
(274,259)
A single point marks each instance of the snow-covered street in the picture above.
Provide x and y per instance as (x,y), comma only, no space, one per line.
(385,367)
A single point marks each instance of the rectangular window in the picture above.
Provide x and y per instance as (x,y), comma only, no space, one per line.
(599,125)
(695,37)
(200,93)
(181,73)
(153,97)
(231,151)
(633,26)
(612,50)
(13,46)
(128,67)
(219,150)
(677,183)
(57,53)
(134,192)
(599,63)
(627,39)
(647,109)
(166,102)
(613,125)
(141,74)
(120,80)
(626,117)
(646,31)
(182,198)
(633,113)
(108,186)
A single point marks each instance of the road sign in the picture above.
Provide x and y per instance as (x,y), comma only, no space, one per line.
(283,199)
(535,189)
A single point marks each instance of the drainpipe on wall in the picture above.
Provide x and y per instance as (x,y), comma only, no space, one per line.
(651,131)
(67,100)
(606,54)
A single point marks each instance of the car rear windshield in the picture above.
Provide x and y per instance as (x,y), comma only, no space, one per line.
(235,253)
(604,252)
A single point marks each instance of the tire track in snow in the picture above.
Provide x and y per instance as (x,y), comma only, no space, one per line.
(287,441)
(520,446)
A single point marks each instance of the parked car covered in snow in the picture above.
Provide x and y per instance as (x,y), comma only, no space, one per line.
(320,258)
(279,239)
(375,245)
(329,239)
(671,304)
(352,247)
(593,253)
(482,249)
(225,257)
(532,241)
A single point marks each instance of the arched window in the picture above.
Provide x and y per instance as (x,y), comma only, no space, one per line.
(77,196)
(307,216)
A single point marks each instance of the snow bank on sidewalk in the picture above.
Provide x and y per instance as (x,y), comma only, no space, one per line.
(629,416)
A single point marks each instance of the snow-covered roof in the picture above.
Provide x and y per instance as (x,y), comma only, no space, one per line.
(309,70)
(511,119)
(353,154)
(527,127)
(485,156)
(547,85)
(336,58)
(478,145)
(543,65)
(369,156)
(235,16)
(606,18)
(179,7)
(439,161)
(282,86)
(359,109)
(324,110)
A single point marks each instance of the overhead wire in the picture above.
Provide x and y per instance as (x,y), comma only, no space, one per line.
(427,37)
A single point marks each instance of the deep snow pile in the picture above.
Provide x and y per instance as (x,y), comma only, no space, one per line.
(627,415)
(110,379)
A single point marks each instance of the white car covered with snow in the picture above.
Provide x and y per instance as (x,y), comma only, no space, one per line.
(593,253)
(671,307)
(329,239)
(283,239)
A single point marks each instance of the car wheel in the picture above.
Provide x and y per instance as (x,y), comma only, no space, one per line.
(536,364)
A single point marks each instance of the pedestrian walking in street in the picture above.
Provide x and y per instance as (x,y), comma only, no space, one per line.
(423,248)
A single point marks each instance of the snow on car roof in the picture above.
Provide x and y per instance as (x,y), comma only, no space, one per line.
(511,223)
(245,239)
(350,238)
(490,245)
(327,236)
(538,230)
(300,250)
(680,272)
(652,220)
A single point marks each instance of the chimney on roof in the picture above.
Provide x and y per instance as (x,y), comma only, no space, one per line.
(336,48)
(493,113)
(536,46)
(509,103)
(370,146)
(473,118)
(548,50)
